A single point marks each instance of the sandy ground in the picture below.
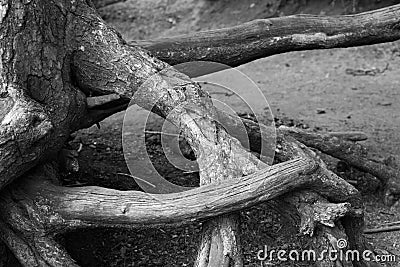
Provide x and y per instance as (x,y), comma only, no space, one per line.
(296,86)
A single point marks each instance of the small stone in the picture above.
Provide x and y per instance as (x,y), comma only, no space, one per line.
(172,21)
(321,111)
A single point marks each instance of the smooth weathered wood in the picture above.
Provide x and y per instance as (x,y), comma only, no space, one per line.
(265,37)
(287,148)
(154,85)
(38,116)
(314,209)
(99,101)
(68,208)
(334,144)
(353,154)
(84,206)
(344,150)
(51,70)
(332,187)
(220,243)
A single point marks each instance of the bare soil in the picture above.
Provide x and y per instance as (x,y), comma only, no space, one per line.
(297,85)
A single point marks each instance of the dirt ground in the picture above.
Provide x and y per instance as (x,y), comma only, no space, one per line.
(297,86)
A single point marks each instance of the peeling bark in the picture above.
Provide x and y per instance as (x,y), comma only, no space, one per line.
(62,68)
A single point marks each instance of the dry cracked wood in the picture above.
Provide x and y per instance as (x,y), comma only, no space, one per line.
(313,209)
(265,37)
(57,209)
(49,69)
(354,154)
(39,104)
(69,208)
(257,39)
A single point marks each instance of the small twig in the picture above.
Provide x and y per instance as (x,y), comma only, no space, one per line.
(392,223)
(349,136)
(369,72)
(135,177)
(382,229)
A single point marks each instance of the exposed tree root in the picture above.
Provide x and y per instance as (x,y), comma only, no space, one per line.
(265,37)
(78,71)
(353,154)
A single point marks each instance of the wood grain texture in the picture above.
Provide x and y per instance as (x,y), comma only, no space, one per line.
(85,206)
(353,154)
(265,37)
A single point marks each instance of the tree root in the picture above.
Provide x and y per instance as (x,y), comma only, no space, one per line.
(85,58)
(353,154)
(265,37)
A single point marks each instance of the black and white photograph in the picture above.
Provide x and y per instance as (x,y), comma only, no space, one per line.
(204,133)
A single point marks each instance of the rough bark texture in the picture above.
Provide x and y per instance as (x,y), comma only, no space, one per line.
(39,105)
(265,37)
(332,188)
(170,94)
(355,155)
(220,243)
(55,56)
(84,206)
